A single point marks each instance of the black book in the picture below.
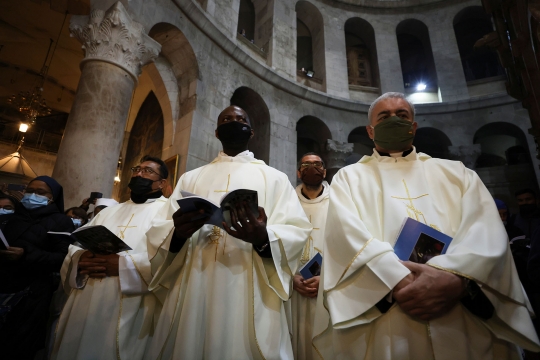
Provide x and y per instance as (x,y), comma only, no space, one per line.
(96,239)
(218,213)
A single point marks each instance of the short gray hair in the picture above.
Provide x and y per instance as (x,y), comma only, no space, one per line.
(390,95)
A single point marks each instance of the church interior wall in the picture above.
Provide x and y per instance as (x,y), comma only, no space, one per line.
(193,89)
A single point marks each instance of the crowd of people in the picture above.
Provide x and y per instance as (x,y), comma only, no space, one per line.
(197,286)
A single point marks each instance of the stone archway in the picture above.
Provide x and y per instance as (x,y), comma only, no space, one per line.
(362,144)
(311,135)
(259,115)
(362,63)
(146,138)
(433,142)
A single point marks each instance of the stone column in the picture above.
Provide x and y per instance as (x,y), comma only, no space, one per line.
(450,76)
(336,153)
(467,154)
(116,48)
(335,53)
(390,75)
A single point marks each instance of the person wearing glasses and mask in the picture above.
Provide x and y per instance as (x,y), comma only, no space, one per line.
(27,268)
(467,303)
(314,195)
(224,288)
(109,311)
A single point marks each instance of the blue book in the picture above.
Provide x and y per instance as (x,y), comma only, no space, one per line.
(419,242)
(312,268)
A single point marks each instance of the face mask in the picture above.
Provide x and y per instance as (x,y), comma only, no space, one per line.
(6,212)
(394,134)
(527,209)
(76,222)
(312,176)
(139,185)
(234,134)
(33,201)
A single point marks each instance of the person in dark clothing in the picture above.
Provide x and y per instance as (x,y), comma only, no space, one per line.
(513,231)
(528,218)
(8,206)
(27,279)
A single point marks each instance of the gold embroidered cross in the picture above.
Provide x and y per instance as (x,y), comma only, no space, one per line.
(214,236)
(227,188)
(413,211)
(121,235)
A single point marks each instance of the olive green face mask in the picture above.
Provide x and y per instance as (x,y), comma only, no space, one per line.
(394,133)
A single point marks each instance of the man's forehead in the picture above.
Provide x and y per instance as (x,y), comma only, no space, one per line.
(391,104)
(311,158)
(149,164)
(233,109)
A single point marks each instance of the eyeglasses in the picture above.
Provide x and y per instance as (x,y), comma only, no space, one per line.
(145,170)
(315,164)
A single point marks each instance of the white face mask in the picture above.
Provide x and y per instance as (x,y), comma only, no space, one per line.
(6,211)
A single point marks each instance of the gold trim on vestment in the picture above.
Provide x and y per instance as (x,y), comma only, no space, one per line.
(316,336)
(351,262)
(430,340)
(477,281)
(137,269)
(253,303)
(118,327)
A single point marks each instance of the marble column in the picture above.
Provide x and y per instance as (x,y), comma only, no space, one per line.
(116,48)
(467,154)
(336,154)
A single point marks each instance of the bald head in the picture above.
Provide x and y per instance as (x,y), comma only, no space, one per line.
(233,113)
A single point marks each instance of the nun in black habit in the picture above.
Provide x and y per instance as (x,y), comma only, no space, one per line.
(27,269)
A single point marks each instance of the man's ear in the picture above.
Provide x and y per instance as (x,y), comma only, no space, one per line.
(215,132)
(324,174)
(370,132)
(414,126)
(252,134)
(298,174)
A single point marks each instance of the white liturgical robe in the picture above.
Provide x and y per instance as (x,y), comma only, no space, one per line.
(111,318)
(221,299)
(302,309)
(368,204)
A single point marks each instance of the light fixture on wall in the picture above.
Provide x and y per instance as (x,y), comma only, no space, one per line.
(118,170)
(310,73)
(23,127)
(421,87)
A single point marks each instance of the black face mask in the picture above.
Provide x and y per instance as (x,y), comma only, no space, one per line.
(234,135)
(139,185)
(312,176)
(527,209)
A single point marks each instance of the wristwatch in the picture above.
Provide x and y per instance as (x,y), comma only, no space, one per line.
(263,247)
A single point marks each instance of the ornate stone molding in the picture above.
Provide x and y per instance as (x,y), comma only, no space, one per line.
(337,152)
(112,36)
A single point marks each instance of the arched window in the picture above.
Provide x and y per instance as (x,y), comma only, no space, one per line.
(470,25)
(310,59)
(502,144)
(304,47)
(311,135)
(258,113)
(416,56)
(246,19)
(362,65)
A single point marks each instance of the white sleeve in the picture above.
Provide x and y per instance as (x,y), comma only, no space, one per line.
(134,273)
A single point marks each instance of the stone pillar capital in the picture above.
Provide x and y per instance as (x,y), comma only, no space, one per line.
(337,152)
(114,37)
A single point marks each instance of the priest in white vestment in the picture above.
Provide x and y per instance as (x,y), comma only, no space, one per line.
(110,312)
(313,194)
(465,304)
(224,290)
